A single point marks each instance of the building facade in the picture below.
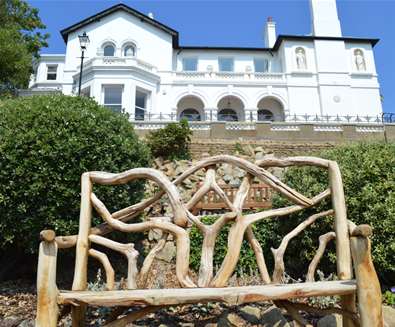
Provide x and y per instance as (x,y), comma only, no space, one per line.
(135,64)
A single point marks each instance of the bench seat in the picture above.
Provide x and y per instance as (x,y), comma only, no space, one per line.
(230,295)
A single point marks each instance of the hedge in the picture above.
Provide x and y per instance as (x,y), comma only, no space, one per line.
(46,143)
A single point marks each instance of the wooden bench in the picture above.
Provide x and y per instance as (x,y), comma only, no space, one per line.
(352,249)
(258,197)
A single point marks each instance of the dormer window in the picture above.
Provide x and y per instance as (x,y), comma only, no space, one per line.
(129,51)
(52,72)
(109,50)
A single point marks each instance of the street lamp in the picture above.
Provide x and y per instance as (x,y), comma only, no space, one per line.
(84,41)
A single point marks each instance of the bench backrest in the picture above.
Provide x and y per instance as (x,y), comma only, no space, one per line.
(181,218)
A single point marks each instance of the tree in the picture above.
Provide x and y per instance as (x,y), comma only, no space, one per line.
(20,42)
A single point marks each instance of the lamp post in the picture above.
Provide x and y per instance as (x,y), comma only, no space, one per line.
(84,41)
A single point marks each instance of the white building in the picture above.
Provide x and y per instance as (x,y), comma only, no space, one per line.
(135,63)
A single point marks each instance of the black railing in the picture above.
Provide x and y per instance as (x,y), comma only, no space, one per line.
(253,116)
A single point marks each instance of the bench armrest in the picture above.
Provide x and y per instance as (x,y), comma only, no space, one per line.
(363,230)
(47,291)
(368,286)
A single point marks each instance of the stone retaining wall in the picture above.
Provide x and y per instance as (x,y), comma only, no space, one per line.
(283,131)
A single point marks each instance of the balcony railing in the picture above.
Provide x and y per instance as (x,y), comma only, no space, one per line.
(247,76)
(119,61)
(252,116)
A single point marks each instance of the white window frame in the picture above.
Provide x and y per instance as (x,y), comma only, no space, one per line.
(52,73)
(190,58)
(267,63)
(127,45)
(110,105)
(147,101)
(226,58)
(109,44)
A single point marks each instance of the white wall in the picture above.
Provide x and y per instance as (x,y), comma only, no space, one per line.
(242,59)
(40,77)
(330,84)
(152,45)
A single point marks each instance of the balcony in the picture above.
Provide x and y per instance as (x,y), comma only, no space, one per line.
(228,76)
(118,63)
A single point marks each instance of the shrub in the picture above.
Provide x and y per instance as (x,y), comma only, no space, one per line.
(47,142)
(171,142)
(368,171)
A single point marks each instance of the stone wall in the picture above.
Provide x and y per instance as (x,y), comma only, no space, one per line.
(289,132)
(279,149)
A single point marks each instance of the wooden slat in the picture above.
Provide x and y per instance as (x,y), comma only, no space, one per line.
(258,197)
(230,295)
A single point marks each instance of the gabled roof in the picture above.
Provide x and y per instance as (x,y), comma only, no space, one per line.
(175,36)
(281,38)
(66,31)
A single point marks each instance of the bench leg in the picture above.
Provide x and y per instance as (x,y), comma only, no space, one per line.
(368,286)
(47,291)
(78,316)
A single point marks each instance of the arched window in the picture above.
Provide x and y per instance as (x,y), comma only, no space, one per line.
(129,51)
(265,115)
(227,115)
(109,50)
(190,114)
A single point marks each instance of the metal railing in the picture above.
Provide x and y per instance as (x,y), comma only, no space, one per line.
(252,116)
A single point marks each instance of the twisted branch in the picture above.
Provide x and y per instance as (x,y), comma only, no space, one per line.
(102,257)
(323,241)
(182,239)
(127,250)
(279,252)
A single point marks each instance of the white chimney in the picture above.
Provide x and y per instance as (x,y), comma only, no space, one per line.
(324,18)
(151,15)
(270,33)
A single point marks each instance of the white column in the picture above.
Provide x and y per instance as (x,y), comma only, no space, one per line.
(270,33)
(325,21)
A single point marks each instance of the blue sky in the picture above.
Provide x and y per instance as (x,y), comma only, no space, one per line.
(240,23)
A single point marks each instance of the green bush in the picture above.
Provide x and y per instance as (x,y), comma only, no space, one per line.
(171,142)
(368,171)
(46,143)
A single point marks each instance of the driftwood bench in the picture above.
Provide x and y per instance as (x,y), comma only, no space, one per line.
(258,197)
(352,249)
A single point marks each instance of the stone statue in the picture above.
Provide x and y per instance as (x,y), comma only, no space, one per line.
(359,60)
(301,59)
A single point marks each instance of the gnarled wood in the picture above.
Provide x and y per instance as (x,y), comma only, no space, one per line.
(230,295)
(182,240)
(127,250)
(179,211)
(131,317)
(47,291)
(110,276)
(323,241)
(241,227)
(368,286)
(254,170)
(343,254)
(278,253)
(149,259)
(237,232)
(82,247)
